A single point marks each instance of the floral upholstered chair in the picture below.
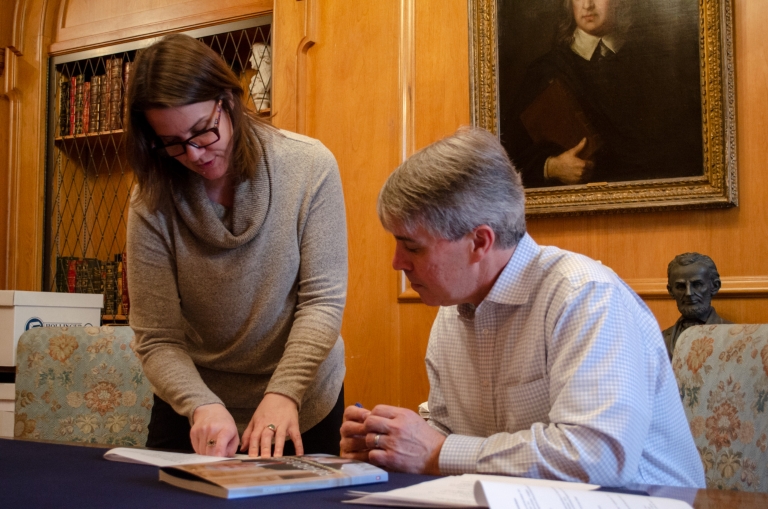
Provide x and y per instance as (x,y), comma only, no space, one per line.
(81,384)
(722,373)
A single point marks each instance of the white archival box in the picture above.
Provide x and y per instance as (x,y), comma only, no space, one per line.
(21,311)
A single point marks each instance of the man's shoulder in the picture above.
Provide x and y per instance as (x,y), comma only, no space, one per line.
(575,268)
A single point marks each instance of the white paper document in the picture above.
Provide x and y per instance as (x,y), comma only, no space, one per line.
(160,458)
(452,491)
(509,496)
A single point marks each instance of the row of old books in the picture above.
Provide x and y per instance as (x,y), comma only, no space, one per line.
(91,275)
(96,105)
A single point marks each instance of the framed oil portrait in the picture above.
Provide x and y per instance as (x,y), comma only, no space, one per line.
(609,105)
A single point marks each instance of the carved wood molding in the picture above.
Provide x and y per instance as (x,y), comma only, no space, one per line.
(140,25)
(9,75)
(407,62)
(310,38)
(738,287)
(19,25)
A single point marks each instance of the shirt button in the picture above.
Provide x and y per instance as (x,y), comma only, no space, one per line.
(485,331)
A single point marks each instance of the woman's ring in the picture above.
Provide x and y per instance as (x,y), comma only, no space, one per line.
(376,441)
(211,442)
(272,427)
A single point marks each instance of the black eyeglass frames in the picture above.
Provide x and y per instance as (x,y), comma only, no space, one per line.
(199,140)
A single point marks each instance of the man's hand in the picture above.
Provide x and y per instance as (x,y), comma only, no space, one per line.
(353,434)
(568,168)
(280,411)
(406,442)
(214,432)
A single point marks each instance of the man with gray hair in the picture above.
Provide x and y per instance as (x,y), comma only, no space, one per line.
(542,363)
(692,279)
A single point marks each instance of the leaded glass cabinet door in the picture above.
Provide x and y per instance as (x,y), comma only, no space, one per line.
(88,179)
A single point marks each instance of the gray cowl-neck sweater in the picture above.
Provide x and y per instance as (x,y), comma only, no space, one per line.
(230,304)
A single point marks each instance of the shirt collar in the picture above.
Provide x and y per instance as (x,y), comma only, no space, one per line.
(513,285)
(585,44)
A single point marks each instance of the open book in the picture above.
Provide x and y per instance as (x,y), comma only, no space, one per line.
(161,458)
(252,477)
(499,492)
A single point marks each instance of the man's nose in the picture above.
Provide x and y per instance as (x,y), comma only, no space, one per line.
(399,260)
(688,290)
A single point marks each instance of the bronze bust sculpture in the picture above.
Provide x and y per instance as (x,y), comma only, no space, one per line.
(692,279)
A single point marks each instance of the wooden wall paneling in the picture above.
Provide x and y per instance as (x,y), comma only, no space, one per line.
(288,32)
(32,26)
(83,25)
(440,91)
(9,151)
(352,107)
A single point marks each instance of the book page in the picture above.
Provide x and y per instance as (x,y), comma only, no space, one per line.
(160,458)
(452,491)
(496,495)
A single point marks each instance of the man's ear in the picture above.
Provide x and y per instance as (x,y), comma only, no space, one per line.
(483,239)
(716,284)
(669,290)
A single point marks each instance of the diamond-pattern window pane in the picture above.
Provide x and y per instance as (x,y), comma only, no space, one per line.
(90,182)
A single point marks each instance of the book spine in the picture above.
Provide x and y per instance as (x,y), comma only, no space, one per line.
(64,106)
(119,285)
(104,103)
(126,78)
(95,103)
(62,273)
(116,94)
(82,283)
(71,275)
(87,107)
(126,301)
(79,83)
(94,275)
(72,94)
(109,288)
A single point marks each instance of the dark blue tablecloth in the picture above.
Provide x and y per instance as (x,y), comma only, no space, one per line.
(38,475)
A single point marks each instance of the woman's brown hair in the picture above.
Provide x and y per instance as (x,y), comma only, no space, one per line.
(176,71)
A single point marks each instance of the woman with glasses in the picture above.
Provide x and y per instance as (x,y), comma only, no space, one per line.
(238,264)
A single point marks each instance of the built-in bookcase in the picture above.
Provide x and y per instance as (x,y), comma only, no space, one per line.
(88,179)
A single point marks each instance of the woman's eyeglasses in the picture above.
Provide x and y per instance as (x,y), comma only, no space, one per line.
(199,140)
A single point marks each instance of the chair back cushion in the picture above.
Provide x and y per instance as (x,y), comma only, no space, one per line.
(722,373)
(81,384)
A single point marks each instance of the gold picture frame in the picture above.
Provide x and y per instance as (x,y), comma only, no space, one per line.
(716,187)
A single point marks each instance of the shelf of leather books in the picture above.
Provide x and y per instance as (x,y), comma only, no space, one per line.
(88,179)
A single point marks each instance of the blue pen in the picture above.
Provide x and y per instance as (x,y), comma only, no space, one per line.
(358,405)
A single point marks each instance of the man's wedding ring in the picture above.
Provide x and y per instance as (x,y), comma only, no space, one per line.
(211,442)
(272,427)
(376,441)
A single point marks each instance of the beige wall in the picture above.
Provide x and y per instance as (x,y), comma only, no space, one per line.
(375,81)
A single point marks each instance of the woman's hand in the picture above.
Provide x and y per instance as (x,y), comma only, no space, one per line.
(281,412)
(214,432)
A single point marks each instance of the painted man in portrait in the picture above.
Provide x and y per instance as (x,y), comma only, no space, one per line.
(615,99)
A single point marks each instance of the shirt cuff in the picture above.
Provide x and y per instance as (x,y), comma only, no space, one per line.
(546,168)
(459,454)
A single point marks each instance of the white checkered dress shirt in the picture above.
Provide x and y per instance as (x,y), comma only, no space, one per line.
(560,373)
